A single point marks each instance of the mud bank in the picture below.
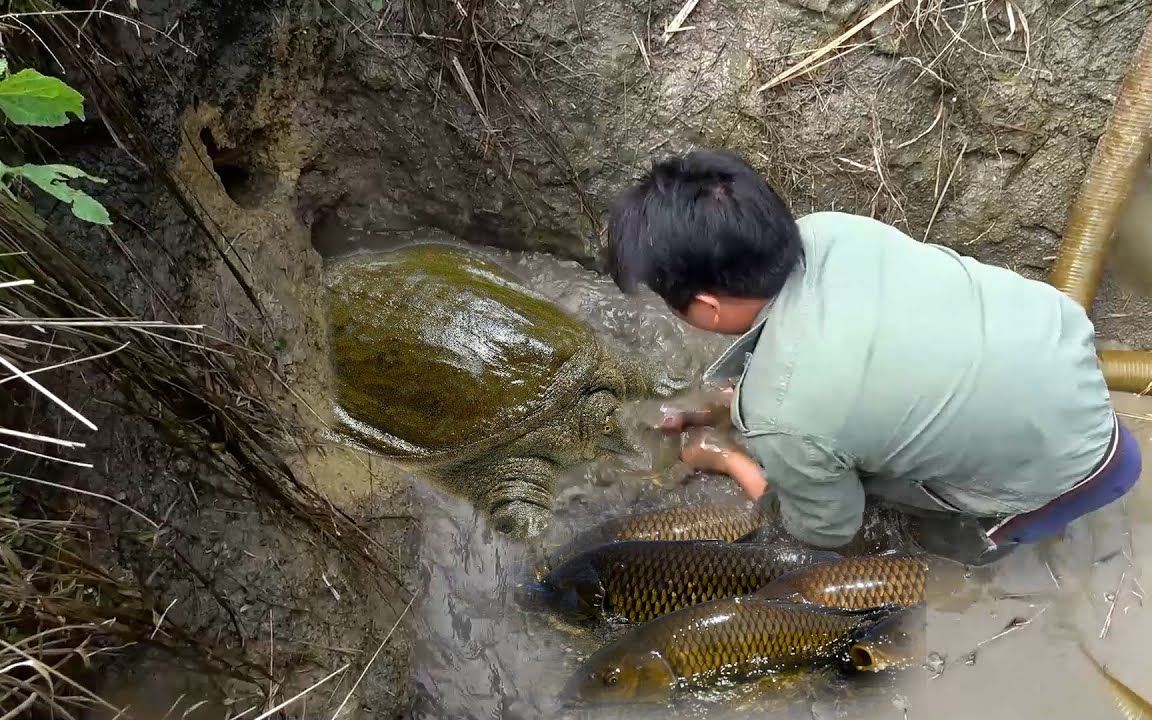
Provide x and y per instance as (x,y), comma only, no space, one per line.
(294,130)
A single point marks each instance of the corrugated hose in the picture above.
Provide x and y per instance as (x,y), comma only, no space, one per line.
(1121,155)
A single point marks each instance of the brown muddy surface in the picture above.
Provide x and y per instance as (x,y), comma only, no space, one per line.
(479,655)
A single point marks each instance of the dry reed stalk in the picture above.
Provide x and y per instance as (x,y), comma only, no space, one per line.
(62,608)
(677,23)
(802,67)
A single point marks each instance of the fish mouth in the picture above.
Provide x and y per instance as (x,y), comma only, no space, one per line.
(864,660)
(533,596)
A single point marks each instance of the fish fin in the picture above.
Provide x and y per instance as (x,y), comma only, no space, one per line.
(823,557)
(1131,704)
(779,589)
(754,536)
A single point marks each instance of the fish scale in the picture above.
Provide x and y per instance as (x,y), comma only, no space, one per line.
(855,583)
(642,580)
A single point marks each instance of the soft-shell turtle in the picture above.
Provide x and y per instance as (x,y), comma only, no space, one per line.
(444,361)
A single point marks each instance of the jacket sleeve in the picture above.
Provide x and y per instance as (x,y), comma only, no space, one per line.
(820,495)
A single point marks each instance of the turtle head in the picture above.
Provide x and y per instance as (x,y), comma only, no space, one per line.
(600,427)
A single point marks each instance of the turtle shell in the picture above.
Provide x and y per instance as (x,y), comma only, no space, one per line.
(434,347)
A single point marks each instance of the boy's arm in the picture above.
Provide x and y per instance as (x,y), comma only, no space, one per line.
(707,449)
(820,495)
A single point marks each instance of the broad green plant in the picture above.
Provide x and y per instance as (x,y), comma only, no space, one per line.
(31,99)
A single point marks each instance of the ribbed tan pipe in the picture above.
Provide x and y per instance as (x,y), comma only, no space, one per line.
(1121,155)
(1128,370)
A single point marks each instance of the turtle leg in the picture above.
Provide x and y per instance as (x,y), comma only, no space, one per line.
(643,380)
(631,377)
(519,497)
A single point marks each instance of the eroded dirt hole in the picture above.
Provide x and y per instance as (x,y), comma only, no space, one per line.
(247,185)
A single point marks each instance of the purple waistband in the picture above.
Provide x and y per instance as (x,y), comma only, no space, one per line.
(1115,474)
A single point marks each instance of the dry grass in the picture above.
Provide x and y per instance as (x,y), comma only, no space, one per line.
(199,391)
(810,62)
(61,611)
(61,614)
(980,41)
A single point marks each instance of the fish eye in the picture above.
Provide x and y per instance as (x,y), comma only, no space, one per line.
(612,677)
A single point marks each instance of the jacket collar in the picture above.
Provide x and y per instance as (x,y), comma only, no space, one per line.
(730,365)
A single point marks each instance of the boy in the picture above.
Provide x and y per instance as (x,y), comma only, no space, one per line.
(870,364)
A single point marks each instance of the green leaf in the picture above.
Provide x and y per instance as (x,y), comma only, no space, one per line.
(376,5)
(53,179)
(29,98)
(3,66)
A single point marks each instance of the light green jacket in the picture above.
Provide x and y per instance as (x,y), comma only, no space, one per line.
(902,370)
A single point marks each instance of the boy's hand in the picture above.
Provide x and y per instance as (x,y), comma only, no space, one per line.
(716,412)
(706,449)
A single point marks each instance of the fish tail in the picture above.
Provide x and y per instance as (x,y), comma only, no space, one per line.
(1130,703)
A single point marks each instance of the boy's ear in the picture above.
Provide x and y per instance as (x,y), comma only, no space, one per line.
(708,314)
(708,299)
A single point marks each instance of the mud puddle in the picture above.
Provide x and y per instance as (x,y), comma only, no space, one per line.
(1005,641)
(479,655)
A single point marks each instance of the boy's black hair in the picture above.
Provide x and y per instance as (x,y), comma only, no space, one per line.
(702,222)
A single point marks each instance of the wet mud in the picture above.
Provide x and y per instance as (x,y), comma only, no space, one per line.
(479,653)
(1004,641)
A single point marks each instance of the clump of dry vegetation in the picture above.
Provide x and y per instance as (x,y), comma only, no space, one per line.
(59,608)
(67,340)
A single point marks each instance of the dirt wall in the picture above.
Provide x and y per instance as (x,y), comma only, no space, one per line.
(967,124)
(214,240)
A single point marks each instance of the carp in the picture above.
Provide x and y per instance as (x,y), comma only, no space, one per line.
(689,522)
(855,583)
(729,640)
(636,581)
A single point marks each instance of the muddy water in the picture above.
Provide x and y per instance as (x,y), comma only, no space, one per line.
(479,655)
(1012,641)
(1006,641)
(1085,590)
